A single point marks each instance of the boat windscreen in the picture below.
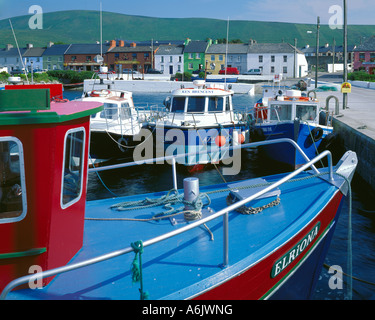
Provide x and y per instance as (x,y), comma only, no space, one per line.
(178,104)
(196,104)
(306,112)
(215,104)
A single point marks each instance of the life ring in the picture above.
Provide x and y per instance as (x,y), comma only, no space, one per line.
(100,93)
(260,111)
(316,134)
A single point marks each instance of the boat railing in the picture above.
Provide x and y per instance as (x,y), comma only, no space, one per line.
(222,213)
(151,113)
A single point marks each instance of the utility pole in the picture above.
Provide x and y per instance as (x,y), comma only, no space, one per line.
(295,58)
(345,95)
(317,52)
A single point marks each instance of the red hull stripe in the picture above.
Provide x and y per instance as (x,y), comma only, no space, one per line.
(256,282)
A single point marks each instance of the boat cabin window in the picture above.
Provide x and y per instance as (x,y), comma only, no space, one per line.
(196,104)
(73,167)
(227,104)
(110,111)
(126,112)
(215,104)
(281,112)
(306,112)
(178,104)
(12,181)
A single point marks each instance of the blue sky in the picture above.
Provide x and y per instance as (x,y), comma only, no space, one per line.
(297,11)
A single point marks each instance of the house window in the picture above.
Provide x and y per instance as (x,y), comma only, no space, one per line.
(170,59)
(230,59)
(272,69)
(190,66)
(272,58)
(146,55)
(221,57)
(179,59)
(238,58)
(134,56)
(73,167)
(161,59)
(285,58)
(117,55)
(191,56)
(179,68)
(285,69)
(49,59)
(197,56)
(361,56)
(74,58)
(88,58)
(212,57)
(60,59)
(12,181)
(260,58)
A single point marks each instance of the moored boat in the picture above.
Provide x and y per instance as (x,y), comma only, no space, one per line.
(290,115)
(200,118)
(263,238)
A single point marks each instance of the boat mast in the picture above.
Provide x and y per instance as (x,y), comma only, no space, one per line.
(226,55)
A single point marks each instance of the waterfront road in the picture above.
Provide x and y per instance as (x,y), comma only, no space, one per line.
(360,114)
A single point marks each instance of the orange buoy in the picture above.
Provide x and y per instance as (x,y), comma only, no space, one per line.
(220,141)
(241,138)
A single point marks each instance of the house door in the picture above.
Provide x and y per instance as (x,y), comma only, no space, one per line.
(170,69)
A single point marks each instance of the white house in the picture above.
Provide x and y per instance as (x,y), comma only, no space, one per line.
(9,58)
(169,59)
(277,58)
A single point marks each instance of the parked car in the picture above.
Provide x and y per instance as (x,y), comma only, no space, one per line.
(229,70)
(16,71)
(154,71)
(254,72)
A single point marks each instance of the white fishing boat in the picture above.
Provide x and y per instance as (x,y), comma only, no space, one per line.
(113,129)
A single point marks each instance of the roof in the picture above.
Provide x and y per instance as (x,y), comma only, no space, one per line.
(368,45)
(196,47)
(170,50)
(324,49)
(86,49)
(11,52)
(233,48)
(34,52)
(272,48)
(132,49)
(56,50)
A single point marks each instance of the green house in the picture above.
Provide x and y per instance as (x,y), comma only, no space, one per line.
(195,55)
(53,56)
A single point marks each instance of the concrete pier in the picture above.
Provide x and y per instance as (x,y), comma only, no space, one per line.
(356,126)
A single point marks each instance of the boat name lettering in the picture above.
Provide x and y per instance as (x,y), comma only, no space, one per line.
(289,257)
(197,91)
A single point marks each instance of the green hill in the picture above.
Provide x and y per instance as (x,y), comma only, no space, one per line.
(83,27)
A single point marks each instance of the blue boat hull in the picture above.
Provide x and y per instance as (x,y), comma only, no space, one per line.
(284,152)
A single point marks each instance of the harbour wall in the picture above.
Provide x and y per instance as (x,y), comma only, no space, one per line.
(159,85)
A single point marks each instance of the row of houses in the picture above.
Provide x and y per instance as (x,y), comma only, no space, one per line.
(171,57)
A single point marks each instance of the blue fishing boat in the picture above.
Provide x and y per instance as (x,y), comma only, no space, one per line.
(290,115)
(200,118)
(261,238)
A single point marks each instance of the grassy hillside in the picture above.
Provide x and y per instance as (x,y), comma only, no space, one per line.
(83,27)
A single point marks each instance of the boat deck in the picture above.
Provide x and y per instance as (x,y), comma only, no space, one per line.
(186,265)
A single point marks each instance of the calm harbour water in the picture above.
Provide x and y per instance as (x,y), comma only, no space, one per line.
(151,178)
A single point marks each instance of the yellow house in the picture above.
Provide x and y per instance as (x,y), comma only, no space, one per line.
(215,58)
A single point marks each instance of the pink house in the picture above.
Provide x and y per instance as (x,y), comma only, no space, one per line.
(364,56)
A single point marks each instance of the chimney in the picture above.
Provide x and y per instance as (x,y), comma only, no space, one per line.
(187,41)
(326,45)
(121,43)
(9,46)
(133,45)
(112,44)
(307,46)
(252,41)
(29,46)
(50,44)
